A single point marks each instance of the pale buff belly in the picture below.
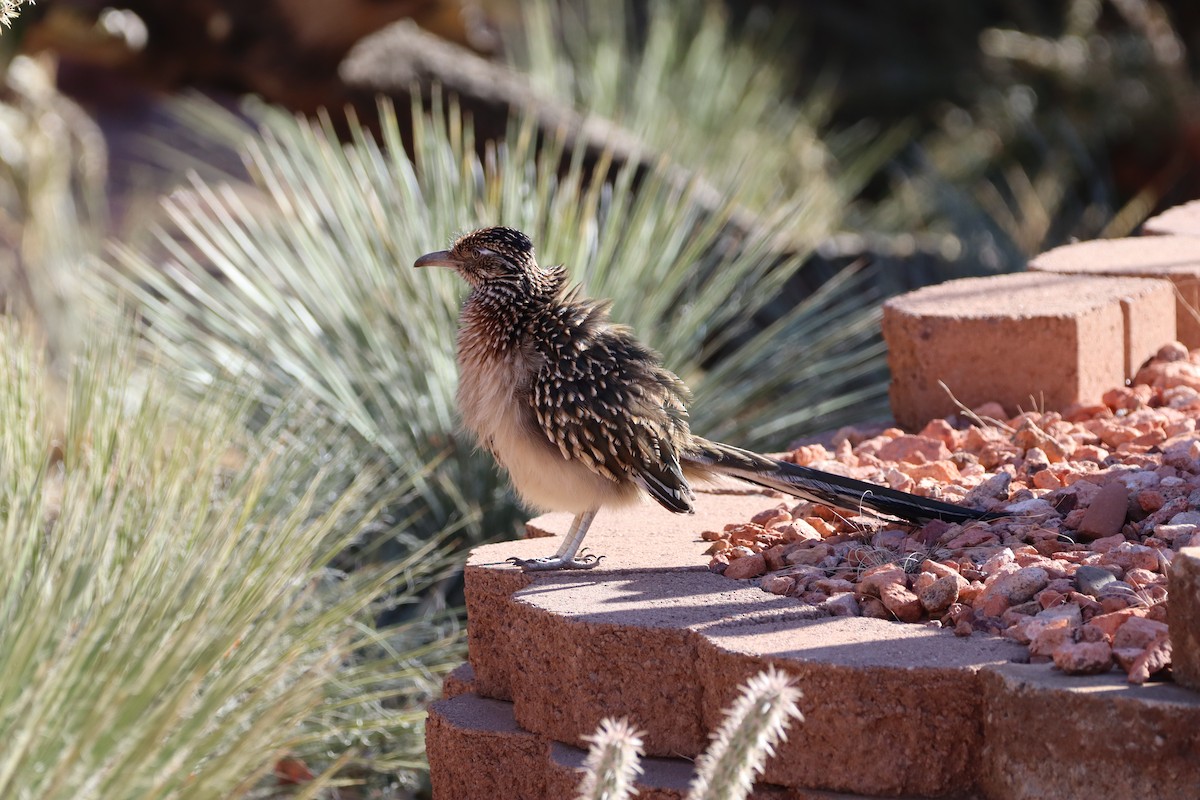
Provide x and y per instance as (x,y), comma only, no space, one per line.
(491,407)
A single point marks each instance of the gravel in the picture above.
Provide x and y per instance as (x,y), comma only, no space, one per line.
(1096,502)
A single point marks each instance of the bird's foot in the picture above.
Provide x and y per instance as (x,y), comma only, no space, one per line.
(582,561)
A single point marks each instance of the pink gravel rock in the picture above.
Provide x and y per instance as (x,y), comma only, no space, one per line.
(1108,624)
(1106,514)
(1004,560)
(1140,578)
(990,410)
(1155,658)
(1047,638)
(1091,452)
(1050,597)
(1103,545)
(832,586)
(775,557)
(938,595)
(771,516)
(1182,454)
(809,555)
(941,430)
(872,607)
(901,602)
(1186,518)
(941,570)
(915,449)
(1171,534)
(748,566)
(777,584)
(1172,351)
(1032,507)
(808,454)
(1126,657)
(943,471)
(1088,533)
(1083,658)
(1029,436)
(798,530)
(1017,586)
(1170,374)
(1150,499)
(842,605)
(972,537)
(900,481)
(1128,555)
(873,580)
(1046,480)
(1138,632)
(970,593)
(994,487)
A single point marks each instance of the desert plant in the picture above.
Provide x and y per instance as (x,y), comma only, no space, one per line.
(168,623)
(754,723)
(612,763)
(757,720)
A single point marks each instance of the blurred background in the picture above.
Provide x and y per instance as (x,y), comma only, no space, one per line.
(232,194)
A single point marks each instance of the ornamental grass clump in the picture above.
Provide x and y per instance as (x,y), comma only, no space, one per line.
(168,625)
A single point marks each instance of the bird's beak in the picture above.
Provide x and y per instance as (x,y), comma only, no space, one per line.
(441,258)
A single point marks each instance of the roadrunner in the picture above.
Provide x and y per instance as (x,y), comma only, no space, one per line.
(583,416)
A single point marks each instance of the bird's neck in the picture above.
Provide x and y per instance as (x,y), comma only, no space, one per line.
(496,322)
(498,316)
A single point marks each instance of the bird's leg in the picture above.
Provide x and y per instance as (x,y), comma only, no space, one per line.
(565,557)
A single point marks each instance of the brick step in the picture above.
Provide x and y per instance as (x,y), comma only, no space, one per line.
(477,750)
(890,709)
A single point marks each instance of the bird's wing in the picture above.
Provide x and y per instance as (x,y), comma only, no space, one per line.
(603,400)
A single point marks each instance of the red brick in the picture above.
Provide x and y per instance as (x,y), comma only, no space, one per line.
(1054,735)
(1175,258)
(461,680)
(1018,339)
(1183,616)
(477,750)
(1182,220)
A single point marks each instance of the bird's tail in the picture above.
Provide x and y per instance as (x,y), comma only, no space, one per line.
(824,487)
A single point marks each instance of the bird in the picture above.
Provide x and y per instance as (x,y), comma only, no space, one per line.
(583,416)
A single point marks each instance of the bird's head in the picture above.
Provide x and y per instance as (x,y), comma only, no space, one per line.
(488,256)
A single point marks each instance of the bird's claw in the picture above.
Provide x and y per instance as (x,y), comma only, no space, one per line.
(582,561)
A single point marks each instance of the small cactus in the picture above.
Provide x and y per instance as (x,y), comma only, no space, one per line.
(726,771)
(753,724)
(612,762)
